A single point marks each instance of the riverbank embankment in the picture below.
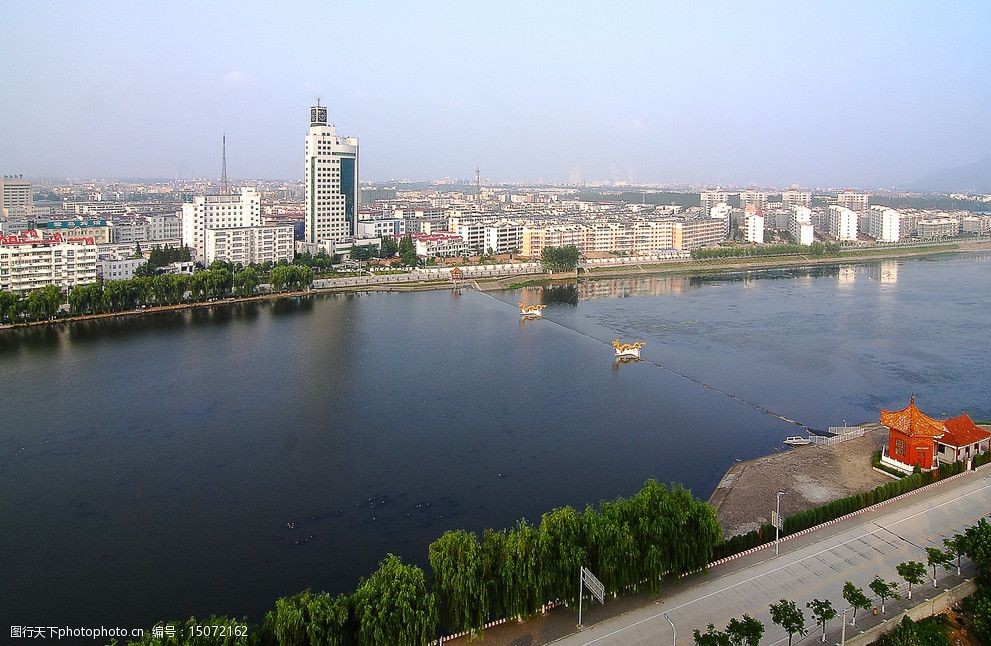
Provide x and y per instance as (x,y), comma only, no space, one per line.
(809,475)
(724,265)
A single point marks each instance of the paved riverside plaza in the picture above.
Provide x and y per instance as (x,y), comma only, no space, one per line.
(813,565)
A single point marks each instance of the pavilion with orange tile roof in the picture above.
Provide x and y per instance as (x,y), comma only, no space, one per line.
(917,440)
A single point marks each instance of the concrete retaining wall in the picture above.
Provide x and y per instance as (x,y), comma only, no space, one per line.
(927,608)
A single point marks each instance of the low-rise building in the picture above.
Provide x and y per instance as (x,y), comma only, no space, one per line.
(30,259)
(110,267)
(440,243)
(935,228)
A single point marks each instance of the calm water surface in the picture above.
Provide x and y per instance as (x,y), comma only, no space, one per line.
(212,460)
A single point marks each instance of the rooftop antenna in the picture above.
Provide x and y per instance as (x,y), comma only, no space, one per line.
(225,187)
(478,188)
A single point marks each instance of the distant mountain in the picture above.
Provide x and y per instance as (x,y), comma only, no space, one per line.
(969,178)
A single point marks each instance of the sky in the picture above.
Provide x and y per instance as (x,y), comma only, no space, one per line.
(848,94)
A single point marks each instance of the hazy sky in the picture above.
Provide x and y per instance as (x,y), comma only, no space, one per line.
(815,93)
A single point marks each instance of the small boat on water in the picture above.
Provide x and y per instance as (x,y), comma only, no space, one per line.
(531,311)
(627,350)
(797,440)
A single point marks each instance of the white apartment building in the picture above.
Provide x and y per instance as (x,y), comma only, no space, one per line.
(163,227)
(218,212)
(16,198)
(724,212)
(503,237)
(473,233)
(249,245)
(800,226)
(854,201)
(796,198)
(29,260)
(331,181)
(441,243)
(113,267)
(638,236)
(842,223)
(975,224)
(934,228)
(709,199)
(884,224)
(753,228)
(380,228)
(753,198)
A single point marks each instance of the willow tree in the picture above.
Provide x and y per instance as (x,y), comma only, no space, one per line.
(611,548)
(392,606)
(456,561)
(562,553)
(521,571)
(308,619)
(493,556)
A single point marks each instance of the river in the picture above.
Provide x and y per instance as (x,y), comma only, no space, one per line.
(211,460)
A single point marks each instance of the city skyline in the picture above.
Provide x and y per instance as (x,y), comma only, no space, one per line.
(714,96)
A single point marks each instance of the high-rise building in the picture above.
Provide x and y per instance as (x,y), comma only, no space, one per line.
(16,200)
(331,181)
(218,212)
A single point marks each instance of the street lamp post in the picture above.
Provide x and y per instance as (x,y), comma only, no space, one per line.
(674,631)
(777,523)
(843,630)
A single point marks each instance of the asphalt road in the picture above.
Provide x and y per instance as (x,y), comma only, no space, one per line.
(813,565)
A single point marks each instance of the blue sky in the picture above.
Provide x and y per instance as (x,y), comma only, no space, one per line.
(816,93)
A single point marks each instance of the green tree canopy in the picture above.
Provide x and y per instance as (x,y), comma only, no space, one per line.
(913,572)
(459,580)
(789,616)
(308,619)
(745,631)
(822,611)
(856,598)
(392,606)
(884,590)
